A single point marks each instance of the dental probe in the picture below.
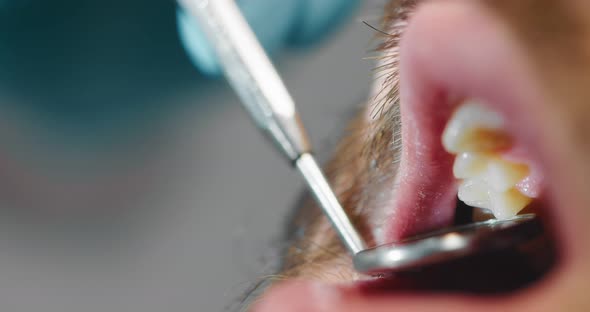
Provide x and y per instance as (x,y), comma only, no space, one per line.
(263,94)
(252,75)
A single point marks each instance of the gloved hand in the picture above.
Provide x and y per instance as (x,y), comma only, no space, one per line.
(277,23)
(100,67)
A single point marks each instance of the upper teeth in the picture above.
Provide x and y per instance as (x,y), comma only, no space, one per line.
(473,128)
(475,134)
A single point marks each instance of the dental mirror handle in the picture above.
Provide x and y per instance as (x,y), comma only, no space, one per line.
(262,92)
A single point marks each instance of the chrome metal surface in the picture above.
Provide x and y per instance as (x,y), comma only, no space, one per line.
(447,244)
(329,203)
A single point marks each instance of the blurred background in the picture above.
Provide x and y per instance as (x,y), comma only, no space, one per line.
(130,182)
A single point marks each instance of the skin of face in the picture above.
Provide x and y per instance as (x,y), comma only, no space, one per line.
(544,47)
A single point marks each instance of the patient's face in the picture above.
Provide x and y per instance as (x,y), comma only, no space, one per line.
(488,101)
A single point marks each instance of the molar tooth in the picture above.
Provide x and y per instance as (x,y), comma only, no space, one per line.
(474,128)
(503,175)
(469,165)
(507,204)
(489,182)
(474,192)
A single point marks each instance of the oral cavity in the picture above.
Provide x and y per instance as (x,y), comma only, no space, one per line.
(477,138)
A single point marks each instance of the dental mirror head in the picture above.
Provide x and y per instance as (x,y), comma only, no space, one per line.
(447,245)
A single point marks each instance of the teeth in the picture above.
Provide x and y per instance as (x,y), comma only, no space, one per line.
(473,128)
(508,204)
(476,135)
(469,165)
(503,175)
(474,192)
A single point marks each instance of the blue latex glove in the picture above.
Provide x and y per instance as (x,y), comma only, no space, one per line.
(277,23)
(94,75)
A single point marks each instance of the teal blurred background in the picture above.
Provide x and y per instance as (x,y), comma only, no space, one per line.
(128,181)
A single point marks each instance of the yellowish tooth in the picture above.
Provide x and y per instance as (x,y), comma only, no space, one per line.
(474,192)
(476,135)
(469,165)
(475,128)
(503,175)
(485,140)
(507,204)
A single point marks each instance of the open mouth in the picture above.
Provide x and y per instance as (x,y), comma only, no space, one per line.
(468,123)
(470,149)
(473,128)
(468,133)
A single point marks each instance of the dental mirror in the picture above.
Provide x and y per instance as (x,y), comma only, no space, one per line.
(265,97)
(448,244)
